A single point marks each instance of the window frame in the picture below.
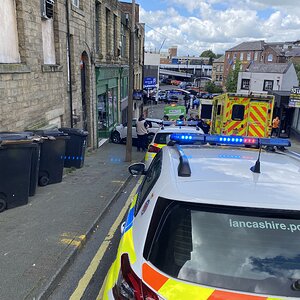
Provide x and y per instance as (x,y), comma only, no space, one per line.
(270,57)
(74,3)
(244,85)
(148,181)
(266,82)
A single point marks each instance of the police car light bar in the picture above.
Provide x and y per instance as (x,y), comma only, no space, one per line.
(192,138)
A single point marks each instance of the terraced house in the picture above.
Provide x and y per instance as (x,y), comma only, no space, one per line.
(65,63)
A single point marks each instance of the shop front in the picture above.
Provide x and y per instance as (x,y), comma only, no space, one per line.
(294,103)
(107,99)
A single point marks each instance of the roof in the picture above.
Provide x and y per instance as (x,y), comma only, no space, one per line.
(175,129)
(220,59)
(269,68)
(222,176)
(249,46)
(293,52)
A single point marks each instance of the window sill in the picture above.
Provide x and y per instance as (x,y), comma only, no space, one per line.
(51,68)
(14,68)
(78,10)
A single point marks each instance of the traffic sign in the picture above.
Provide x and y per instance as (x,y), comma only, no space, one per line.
(149,82)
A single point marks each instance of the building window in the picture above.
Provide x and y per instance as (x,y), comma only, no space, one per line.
(76,3)
(245,84)
(248,56)
(107,19)
(115,36)
(9,46)
(123,40)
(241,67)
(221,77)
(268,85)
(221,68)
(242,56)
(234,56)
(233,67)
(97,25)
(270,57)
(255,55)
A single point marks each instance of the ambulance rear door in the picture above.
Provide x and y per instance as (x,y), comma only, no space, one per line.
(258,118)
(236,114)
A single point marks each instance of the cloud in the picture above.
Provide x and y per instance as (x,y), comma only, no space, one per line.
(195,26)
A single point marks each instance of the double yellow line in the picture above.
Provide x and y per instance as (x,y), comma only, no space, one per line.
(89,273)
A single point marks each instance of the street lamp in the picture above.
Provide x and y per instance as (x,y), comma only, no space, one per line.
(201,63)
(187,66)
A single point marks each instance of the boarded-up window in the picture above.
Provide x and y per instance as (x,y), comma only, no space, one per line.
(48,42)
(9,45)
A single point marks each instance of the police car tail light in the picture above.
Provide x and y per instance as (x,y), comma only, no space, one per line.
(153,149)
(129,285)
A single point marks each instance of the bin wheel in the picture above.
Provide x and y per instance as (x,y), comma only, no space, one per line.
(3,204)
(116,139)
(43,181)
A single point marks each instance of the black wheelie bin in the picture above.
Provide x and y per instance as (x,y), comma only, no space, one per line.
(76,146)
(52,156)
(18,165)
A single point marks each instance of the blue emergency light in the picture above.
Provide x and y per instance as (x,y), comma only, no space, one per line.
(191,138)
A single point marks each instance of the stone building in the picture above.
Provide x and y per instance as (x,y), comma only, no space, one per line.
(64,63)
(217,70)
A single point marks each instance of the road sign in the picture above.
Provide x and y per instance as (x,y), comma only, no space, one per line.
(149,82)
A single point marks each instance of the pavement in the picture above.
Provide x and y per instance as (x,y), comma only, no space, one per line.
(41,239)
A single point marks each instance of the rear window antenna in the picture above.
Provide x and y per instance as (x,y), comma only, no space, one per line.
(256,167)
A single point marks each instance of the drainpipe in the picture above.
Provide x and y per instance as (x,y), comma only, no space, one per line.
(69,63)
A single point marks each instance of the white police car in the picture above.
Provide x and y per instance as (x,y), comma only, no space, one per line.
(215,221)
(119,133)
(162,137)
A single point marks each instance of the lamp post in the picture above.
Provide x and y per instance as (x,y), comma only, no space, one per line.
(128,156)
(187,66)
(201,63)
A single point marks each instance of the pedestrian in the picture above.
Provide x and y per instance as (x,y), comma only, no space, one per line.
(142,134)
(196,103)
(166,118)
(275,127)
(191,118)
(203,125)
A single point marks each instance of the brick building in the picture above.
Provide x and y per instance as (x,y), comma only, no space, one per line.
(260,52)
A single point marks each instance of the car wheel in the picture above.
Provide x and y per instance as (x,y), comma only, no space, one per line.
(3,204)
(115,137)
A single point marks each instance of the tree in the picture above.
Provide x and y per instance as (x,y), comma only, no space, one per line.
(208,53)
(211,88)
(232,79)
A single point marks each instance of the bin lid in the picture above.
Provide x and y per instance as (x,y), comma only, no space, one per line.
(74,131)
(50,132)
(13,139)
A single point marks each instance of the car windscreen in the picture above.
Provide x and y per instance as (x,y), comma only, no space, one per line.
(254,251)
(162,138)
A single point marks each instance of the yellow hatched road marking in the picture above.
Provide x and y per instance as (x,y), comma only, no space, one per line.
(89,273)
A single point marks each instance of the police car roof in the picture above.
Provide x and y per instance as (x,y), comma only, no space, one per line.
(175,128)
(222,176)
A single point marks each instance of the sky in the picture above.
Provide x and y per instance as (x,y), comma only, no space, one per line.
(198,25)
